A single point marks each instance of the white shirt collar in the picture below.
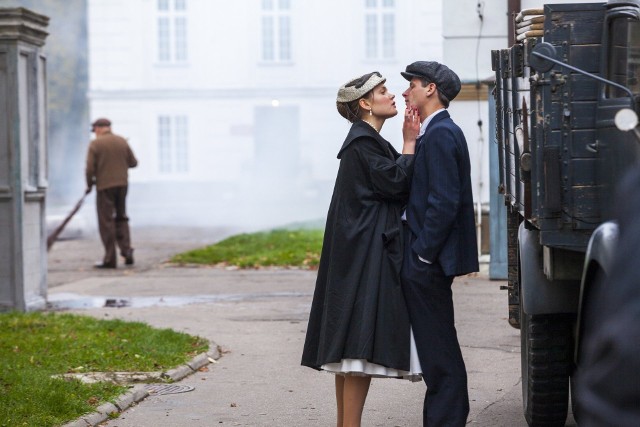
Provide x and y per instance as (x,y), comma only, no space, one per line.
(425,123)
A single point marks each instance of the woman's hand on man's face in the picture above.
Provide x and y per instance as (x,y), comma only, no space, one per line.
(411,124)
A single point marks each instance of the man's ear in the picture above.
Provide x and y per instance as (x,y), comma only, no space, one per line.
(431,87)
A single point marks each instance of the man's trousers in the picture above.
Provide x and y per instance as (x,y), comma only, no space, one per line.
(113,223)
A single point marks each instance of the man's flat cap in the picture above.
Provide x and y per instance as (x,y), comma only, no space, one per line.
(446,80)
(101,123)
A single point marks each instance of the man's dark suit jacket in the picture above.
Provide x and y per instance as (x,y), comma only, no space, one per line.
(440,208)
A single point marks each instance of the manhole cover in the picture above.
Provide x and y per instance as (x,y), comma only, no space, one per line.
(167,388)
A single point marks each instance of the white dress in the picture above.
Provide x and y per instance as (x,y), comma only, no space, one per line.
(363,367)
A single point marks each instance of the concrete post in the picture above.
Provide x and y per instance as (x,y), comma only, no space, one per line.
(23,160)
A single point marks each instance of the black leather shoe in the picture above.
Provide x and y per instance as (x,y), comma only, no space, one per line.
(128,258)
(103,265)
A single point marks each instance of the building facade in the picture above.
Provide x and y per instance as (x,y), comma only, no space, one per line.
(230,106)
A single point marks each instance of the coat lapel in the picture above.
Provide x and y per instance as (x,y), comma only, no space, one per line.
(440,116)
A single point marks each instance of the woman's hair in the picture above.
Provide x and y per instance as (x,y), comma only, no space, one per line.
(351,110)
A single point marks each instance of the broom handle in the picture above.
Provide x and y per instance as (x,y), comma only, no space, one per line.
(54,235)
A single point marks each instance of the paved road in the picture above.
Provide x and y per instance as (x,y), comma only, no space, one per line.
(258,318)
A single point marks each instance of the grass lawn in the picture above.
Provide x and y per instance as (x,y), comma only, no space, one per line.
(35,346)
(281,247)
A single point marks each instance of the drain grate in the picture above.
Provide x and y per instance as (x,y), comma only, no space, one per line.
(157,389)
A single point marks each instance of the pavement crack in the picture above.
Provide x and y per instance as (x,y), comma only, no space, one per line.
(512,350)
(505,393)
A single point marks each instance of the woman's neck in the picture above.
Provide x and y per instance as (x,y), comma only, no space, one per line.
(374,123)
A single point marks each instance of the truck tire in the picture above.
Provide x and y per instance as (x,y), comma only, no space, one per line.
(546,364)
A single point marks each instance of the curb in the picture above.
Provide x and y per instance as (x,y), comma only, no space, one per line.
(138,393)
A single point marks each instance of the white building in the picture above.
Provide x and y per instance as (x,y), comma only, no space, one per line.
(230,106)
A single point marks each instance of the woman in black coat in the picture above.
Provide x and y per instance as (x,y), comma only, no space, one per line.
(359,325)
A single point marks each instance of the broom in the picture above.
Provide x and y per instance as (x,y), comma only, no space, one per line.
(54,235)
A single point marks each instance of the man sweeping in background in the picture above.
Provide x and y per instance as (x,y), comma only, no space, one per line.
(108,161)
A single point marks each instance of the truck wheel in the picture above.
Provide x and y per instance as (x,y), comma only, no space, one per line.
(546,365)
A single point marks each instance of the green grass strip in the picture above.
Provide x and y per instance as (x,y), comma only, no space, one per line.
(280,248)
(35,346)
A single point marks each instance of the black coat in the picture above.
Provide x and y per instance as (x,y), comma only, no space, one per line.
(358,309)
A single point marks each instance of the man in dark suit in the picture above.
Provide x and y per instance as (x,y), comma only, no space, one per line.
(440,240)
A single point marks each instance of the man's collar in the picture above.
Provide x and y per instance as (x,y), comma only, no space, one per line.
(425,122)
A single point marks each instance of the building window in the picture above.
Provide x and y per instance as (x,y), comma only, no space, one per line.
(276,30)
(172,31)
(173,145)
(380,29)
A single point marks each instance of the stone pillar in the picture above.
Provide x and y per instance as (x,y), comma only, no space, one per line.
(23,160)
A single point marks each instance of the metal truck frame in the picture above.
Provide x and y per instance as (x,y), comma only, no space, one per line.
(561,157)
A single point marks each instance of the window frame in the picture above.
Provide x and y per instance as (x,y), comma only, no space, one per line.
(276,32)
(380,30)
(173,144)
(172,32)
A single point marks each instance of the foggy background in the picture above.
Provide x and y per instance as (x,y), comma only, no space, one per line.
(230,106)
(67,81)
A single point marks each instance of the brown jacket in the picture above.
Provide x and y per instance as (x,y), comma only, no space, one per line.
(108,160)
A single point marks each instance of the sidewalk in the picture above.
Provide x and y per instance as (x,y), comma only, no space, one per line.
(258,318)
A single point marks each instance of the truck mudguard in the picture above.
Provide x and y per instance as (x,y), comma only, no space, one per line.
(538,294)
(600,250)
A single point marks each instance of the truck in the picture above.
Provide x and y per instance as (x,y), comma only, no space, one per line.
(557,91)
